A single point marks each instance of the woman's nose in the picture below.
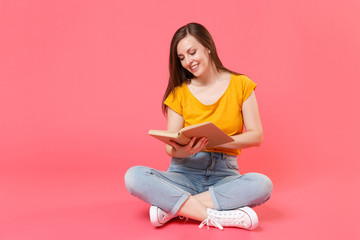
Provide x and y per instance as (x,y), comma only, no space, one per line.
(188,60)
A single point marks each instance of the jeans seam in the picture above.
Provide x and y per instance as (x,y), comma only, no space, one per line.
(162,177)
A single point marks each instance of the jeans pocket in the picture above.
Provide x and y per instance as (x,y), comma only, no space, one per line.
(231,163)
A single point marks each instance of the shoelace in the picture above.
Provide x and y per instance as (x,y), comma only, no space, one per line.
(164,215)
(209,222)
(231,217)
(226,218)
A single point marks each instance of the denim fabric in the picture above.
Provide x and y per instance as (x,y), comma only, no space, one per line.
(217,173)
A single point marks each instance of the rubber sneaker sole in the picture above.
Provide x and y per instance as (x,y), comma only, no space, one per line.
(253,217)
(154,217)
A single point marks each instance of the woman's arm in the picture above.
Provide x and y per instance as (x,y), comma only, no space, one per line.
(253,134)
(174,123)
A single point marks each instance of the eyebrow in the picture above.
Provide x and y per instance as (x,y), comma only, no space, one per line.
(186,51)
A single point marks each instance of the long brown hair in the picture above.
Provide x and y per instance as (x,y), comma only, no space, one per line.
(178,74)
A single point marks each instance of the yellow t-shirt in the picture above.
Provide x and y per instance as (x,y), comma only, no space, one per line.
(225,113)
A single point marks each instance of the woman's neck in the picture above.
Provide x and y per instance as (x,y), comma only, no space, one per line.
(207,78)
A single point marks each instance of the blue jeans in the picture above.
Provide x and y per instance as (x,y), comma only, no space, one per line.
(204,171)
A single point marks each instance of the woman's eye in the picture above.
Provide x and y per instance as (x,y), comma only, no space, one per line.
(192,53)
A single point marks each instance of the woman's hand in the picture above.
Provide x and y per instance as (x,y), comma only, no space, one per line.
(175,122)
(191,148)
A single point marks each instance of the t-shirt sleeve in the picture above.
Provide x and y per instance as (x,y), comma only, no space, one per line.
(173,101)
(248,86)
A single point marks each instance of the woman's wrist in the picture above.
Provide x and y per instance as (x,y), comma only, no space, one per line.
(174,153)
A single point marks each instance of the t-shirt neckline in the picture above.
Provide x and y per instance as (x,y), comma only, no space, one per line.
(217,101)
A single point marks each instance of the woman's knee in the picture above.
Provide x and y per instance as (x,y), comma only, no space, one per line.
(263,183)
(134,177)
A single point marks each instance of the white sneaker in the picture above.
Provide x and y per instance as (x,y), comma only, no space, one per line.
(244,217)
(158,217)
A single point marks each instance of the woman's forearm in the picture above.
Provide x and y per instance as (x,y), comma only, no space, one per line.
(245,140)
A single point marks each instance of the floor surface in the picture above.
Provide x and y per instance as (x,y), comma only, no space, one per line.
(94,204)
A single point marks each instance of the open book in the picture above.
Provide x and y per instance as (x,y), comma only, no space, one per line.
(209,130)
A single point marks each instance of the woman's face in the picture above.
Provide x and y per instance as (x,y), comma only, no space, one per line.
(193,56)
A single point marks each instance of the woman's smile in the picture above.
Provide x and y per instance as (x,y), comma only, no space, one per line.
(194,67)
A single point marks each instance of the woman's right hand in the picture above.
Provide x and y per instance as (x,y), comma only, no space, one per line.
(183,151)
(174,123)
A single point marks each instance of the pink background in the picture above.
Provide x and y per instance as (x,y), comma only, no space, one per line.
(81,83)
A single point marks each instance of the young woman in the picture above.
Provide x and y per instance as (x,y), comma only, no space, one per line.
(204,184)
